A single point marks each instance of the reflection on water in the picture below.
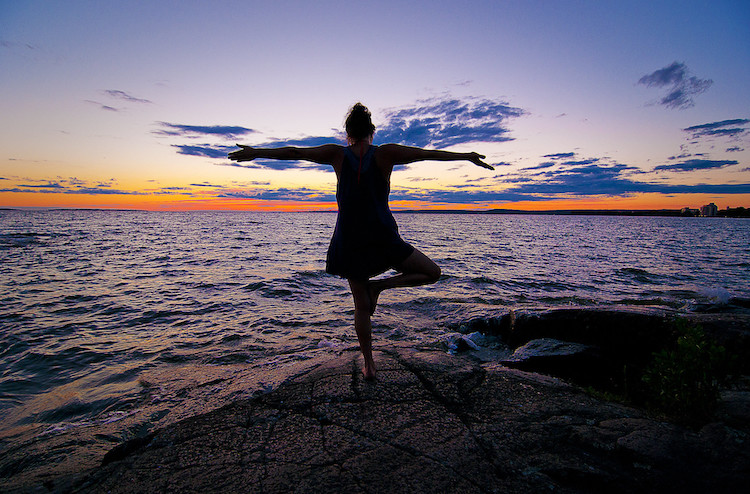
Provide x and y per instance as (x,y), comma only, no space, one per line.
(93,301)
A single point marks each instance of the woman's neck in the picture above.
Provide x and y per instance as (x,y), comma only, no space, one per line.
(367,141)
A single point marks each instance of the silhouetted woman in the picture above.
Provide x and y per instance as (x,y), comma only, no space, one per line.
(366,242)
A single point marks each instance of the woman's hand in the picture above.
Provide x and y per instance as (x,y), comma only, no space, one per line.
(477,160)
(245,154)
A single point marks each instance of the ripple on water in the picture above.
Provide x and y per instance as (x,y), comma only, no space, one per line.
(85,292)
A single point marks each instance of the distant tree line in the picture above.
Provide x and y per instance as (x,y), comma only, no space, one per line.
(734,213)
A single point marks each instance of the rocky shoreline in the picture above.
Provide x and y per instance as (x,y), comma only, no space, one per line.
(456,423)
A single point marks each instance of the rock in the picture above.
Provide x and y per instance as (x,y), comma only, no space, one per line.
(461,343)
(621,341)
(545,348)
(576,361)
(632,331)
(431,422)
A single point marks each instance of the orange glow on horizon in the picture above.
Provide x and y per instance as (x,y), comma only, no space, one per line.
(171,203)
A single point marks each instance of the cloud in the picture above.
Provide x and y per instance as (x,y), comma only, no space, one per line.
(461,196)
(435,122)
(74,185)
(104,191)
(583,178)
(205,150)
(734,149)
(48,185)
(220,152)
(13,45)
(557,156)
(122,95)
(581,162)
(59,189)
(731,128)
(180,130)
(592,179)
(119,95)
(208,185)
(279,165)
(540,166)
(681,87)
(283,194)
(695,164)
(302,141)
(102,106)
(446,121)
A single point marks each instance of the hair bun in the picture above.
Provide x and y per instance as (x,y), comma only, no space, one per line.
(359,122)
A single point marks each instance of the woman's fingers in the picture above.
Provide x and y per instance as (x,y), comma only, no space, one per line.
(242,154)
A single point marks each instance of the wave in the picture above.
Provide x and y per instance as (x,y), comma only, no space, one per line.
(169,292)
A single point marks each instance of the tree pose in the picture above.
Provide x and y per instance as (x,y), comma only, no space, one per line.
(365,241)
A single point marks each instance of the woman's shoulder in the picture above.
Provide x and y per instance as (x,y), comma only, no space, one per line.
(391,153)
(387,149)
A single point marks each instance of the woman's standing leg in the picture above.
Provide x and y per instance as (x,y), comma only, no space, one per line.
(362,325)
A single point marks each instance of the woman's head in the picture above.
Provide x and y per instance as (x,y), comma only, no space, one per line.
(359,123)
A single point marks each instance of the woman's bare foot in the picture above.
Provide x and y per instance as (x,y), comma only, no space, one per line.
(369,371)
(373,293)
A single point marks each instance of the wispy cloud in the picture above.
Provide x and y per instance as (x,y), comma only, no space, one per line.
(74,185)
(558,156)
(192,131)
(724,128)
(278,165)
(302,194)
(48,185)
(12,45)
(102,106)
(303,141)
(204,150)
(681,86)
(540,166)
(216,186)
(122,95)
(587,161)
(695,164)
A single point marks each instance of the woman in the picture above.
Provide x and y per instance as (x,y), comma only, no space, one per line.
(366,242)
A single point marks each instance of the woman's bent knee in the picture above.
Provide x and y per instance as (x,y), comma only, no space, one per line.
(434,273)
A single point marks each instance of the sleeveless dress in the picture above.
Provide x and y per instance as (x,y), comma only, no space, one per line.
(365,242)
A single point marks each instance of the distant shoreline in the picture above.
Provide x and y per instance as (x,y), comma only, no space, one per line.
(739,212)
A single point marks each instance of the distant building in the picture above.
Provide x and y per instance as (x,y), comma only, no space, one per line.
(709,210)
(690,212)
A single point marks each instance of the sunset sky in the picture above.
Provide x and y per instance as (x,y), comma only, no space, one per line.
(585,104)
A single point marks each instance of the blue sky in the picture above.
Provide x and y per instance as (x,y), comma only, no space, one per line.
(579,104)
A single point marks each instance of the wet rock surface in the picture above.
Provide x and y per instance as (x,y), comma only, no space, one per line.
(432,422)
(614,345)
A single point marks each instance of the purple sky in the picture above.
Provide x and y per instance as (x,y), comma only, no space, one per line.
(136,102)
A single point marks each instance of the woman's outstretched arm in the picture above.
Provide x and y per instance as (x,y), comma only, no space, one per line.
(400,155)
(327,154)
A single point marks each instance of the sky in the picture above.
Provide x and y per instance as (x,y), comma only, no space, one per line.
(577,104)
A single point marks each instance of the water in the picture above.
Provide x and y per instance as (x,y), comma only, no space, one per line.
(115,322)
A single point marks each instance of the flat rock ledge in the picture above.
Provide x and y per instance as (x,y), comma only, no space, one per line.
(431,422)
